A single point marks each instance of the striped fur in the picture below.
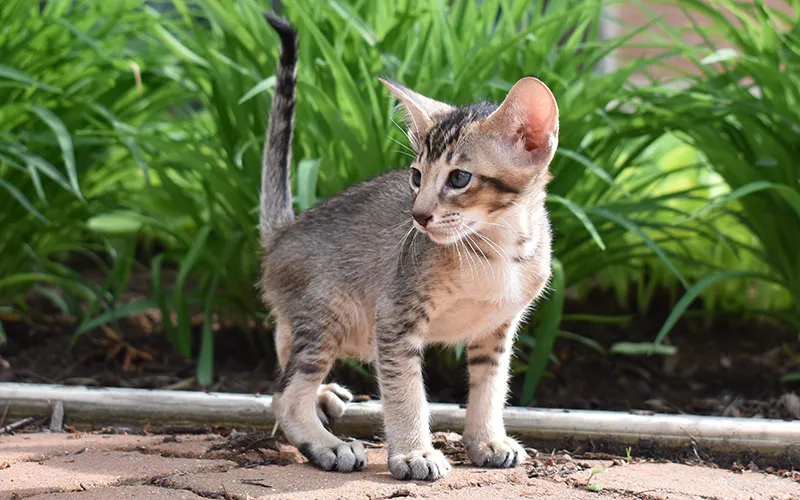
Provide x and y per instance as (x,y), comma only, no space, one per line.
(276,191)
(357,277)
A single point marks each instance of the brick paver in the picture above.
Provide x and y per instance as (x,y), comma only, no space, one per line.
(98,467)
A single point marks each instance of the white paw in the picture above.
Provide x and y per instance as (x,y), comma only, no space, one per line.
(343,457)
(501,453)
(332,402)
(421,465)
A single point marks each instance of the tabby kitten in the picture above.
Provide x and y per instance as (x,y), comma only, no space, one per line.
(455,248)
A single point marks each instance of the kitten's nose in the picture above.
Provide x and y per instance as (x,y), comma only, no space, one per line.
(422,218)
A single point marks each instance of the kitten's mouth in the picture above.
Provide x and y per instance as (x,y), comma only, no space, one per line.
(446,235)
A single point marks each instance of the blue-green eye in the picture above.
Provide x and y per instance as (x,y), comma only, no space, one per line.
(416,177)
(459,179)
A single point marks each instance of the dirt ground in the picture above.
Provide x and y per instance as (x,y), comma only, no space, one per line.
(730,367)
(91,466)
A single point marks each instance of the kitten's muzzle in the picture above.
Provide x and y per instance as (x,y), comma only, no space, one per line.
(422,218)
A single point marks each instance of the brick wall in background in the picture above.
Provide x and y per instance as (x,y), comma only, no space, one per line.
(625,18)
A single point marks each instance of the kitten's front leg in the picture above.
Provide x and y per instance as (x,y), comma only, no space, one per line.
(405,407)
(485,435)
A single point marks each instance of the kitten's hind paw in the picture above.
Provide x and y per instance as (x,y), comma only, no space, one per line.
(499,453)
(332,402)
(344,457)
(422,465)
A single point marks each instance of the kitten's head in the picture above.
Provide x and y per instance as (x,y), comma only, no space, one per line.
(475,163)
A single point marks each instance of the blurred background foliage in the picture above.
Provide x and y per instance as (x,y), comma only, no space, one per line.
(131,135)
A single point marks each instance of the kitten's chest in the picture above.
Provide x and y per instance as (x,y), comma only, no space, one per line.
(476,300)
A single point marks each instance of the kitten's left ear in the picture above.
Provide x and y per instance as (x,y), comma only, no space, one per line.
(528,120)
(421,111)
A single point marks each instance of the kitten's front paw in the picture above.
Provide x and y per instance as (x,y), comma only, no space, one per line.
(421,465)
(499,453)
(344,457)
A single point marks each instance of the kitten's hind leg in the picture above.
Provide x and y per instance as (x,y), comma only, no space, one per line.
(332,402)
(297,396)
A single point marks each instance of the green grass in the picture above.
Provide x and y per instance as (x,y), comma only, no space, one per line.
(66,78)
(163,177)
(741,113)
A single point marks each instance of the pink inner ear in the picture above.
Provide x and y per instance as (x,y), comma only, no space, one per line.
(535,108)
(532,138)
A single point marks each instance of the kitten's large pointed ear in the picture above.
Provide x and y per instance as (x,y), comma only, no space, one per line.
(421,111)
(528,120)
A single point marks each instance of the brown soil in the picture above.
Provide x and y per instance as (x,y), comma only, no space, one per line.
(729,367)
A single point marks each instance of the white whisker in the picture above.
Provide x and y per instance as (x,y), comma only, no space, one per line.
(473,268)
(401,253)
(397,226)
(494,246)
(413,252)
(476,246)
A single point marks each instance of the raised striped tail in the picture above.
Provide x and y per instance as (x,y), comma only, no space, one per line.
(276,190)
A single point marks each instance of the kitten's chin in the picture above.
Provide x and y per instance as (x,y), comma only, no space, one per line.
(444,237)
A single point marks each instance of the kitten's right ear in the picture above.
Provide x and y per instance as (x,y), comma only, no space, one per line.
(421,111)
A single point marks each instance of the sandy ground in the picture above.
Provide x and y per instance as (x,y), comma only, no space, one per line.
(94,466)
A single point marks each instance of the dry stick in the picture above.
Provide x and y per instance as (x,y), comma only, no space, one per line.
(16,425)
(57,417)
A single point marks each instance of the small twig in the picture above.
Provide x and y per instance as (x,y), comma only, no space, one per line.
(255,482)
(3,418)
(137,75)
(181,384)
(16,425)
(57,417)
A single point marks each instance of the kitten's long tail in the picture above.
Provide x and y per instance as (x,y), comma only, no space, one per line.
(276,190)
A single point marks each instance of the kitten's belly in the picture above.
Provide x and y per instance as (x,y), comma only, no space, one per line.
(468,319)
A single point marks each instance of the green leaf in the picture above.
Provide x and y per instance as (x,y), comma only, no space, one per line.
(20,77)
(696,290)
(643,349)
(262,86)
(205,359)
(458,350)
(65,143)
(581,216)
(307,172)
(790,377)
(595,487)
(116,223)
(725,54)
(550,317)
(591,166)
(23,200)
(632,227)
(184,335)
(116,313)
(790,195)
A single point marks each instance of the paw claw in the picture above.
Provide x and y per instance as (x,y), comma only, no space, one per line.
(421,465)
(501,453)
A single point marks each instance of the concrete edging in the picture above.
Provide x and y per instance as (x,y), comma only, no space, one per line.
(98,406)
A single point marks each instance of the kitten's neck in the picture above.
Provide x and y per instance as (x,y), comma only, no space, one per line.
(516,229)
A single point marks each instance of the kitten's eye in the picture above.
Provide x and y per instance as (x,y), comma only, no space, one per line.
(416,177)
(459,179)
